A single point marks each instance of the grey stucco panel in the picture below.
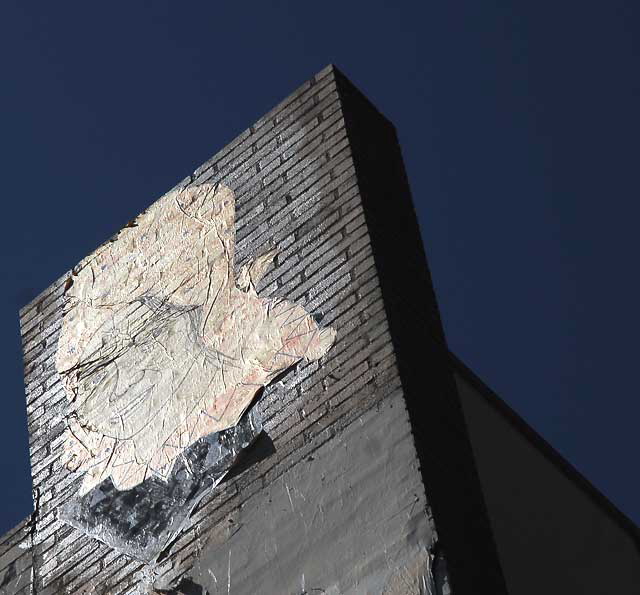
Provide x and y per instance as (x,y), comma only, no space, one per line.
(349,519)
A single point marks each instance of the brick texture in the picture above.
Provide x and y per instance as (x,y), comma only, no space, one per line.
(320,177)
(15,560)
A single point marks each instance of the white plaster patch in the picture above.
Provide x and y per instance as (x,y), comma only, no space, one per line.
(161,344)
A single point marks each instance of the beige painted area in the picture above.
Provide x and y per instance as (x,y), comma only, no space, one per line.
(414,578)
(161,344)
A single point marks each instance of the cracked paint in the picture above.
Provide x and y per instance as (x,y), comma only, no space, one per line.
(144,520)
(162,345)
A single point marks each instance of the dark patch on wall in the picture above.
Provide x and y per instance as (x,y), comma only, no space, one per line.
(261,449)
(10,574)
(143,520)
(186,586)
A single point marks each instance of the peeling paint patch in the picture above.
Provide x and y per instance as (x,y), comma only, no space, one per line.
(143,521)
(161,345)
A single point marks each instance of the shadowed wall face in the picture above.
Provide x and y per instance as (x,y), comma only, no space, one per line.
(552,537)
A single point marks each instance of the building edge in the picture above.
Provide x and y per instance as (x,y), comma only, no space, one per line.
(441,437)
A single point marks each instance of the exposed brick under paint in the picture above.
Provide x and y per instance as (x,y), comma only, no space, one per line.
(320,177)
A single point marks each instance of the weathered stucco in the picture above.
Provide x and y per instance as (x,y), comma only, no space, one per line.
(349,520)
(161,344)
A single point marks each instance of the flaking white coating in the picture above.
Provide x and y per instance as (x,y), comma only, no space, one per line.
(161,344)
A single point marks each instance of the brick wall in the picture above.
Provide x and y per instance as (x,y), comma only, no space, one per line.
(15,559)
(320,177)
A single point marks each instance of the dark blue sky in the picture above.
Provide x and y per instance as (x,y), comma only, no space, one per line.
(520,127)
